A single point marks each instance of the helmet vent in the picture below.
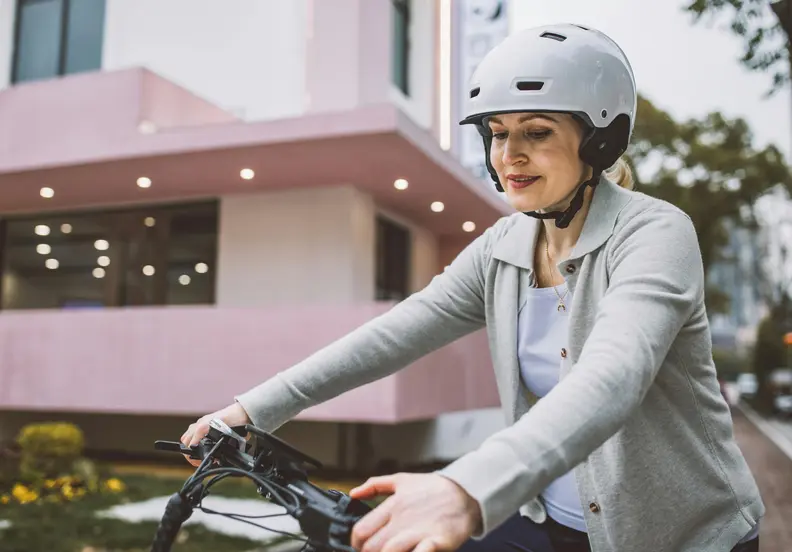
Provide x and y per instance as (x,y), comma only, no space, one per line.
(475,92)
(554,36)
(530,85)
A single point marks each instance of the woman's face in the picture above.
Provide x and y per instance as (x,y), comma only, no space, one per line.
(536,158)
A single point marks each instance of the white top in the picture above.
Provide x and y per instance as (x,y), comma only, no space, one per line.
(542,335)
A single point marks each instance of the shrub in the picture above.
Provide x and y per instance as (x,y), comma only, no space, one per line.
(48,450)
(51,468)
(9,468)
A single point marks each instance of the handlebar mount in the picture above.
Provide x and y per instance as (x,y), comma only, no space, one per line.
(280,472)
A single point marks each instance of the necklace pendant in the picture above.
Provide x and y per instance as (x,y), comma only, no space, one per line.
(561,307)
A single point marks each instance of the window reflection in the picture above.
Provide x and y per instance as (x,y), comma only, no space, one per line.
(143,256)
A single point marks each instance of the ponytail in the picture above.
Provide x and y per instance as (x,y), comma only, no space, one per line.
(621,174)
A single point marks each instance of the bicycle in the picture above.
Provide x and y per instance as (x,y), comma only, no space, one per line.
(280,471)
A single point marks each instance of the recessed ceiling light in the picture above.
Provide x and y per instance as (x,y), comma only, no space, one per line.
(52,264)
(47,192)
(66,228)
(101,245)
(201,268)
(437,206)
(150,221)
(247,174)
(144,182)
(469,226)
(148,270)
(400,184)
(184,279)
(42,230)
(147,127)
(43,249)
(104,260)
(98,272)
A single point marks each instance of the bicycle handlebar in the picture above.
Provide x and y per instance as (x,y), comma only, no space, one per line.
(326,517)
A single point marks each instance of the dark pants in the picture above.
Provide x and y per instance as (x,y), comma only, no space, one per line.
(520,534)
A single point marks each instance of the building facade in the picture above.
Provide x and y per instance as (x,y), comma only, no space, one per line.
(197,195)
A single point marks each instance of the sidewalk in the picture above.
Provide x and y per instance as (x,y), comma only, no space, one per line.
(773,472)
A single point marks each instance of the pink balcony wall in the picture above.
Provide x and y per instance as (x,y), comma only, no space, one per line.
(192,360)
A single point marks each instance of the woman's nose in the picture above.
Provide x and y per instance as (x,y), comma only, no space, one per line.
(512,153)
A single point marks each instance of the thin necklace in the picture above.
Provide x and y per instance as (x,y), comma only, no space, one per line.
(561,305)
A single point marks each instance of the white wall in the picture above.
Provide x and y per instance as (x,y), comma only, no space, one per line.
(7,9)
(419,105)
(246,56)
(296,247)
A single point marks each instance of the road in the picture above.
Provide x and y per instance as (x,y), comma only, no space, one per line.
(770,459)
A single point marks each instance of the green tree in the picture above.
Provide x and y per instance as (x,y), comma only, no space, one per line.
(709,168)
(769,354)
(765,27)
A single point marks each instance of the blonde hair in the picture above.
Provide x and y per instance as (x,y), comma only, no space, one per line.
(621,174)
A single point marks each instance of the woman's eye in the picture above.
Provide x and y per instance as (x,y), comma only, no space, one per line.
(539,134)
(500,135)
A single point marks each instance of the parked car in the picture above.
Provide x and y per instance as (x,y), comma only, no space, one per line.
(748,384)
(781,384)
(782,405)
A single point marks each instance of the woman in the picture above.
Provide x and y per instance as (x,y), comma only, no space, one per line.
(618,437)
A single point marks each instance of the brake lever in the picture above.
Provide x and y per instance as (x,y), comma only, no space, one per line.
(174,446)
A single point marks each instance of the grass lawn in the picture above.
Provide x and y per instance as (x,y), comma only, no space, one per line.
(73,527)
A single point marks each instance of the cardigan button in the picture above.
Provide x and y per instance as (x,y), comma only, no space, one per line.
(563,353)
(570,269)
(594,507)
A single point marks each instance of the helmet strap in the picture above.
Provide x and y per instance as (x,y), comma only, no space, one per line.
(563,218)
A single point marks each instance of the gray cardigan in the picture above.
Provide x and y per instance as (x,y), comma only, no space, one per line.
(637,414)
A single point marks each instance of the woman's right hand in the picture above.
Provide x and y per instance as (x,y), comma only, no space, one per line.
(232,415)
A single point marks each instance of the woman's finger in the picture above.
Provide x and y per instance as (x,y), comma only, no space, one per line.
(375,486)
(185,438)
(369,524)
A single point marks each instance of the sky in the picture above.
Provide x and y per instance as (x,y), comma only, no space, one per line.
(688,70)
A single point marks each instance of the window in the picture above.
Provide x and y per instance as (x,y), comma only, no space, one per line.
(144,256)
(57,37)
(401,44)
(393,261)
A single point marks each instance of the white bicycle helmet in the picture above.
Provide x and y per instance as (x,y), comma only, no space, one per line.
(562,68)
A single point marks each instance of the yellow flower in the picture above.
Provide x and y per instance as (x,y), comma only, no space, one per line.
(24,495)
(115,485)
(5,499)
(68,491)
(50,483)
(65,480)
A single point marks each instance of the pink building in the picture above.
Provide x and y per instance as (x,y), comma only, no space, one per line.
(196,195)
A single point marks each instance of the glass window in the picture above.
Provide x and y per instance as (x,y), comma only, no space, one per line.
(143,256)
(38,44)
(85,24)
(57,37)
(401,44)
(393,261)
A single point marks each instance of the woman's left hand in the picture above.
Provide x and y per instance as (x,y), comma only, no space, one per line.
(425,513)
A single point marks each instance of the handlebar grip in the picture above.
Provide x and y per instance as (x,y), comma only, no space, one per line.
(176,513)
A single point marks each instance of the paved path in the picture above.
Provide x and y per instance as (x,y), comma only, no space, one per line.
(772,469)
